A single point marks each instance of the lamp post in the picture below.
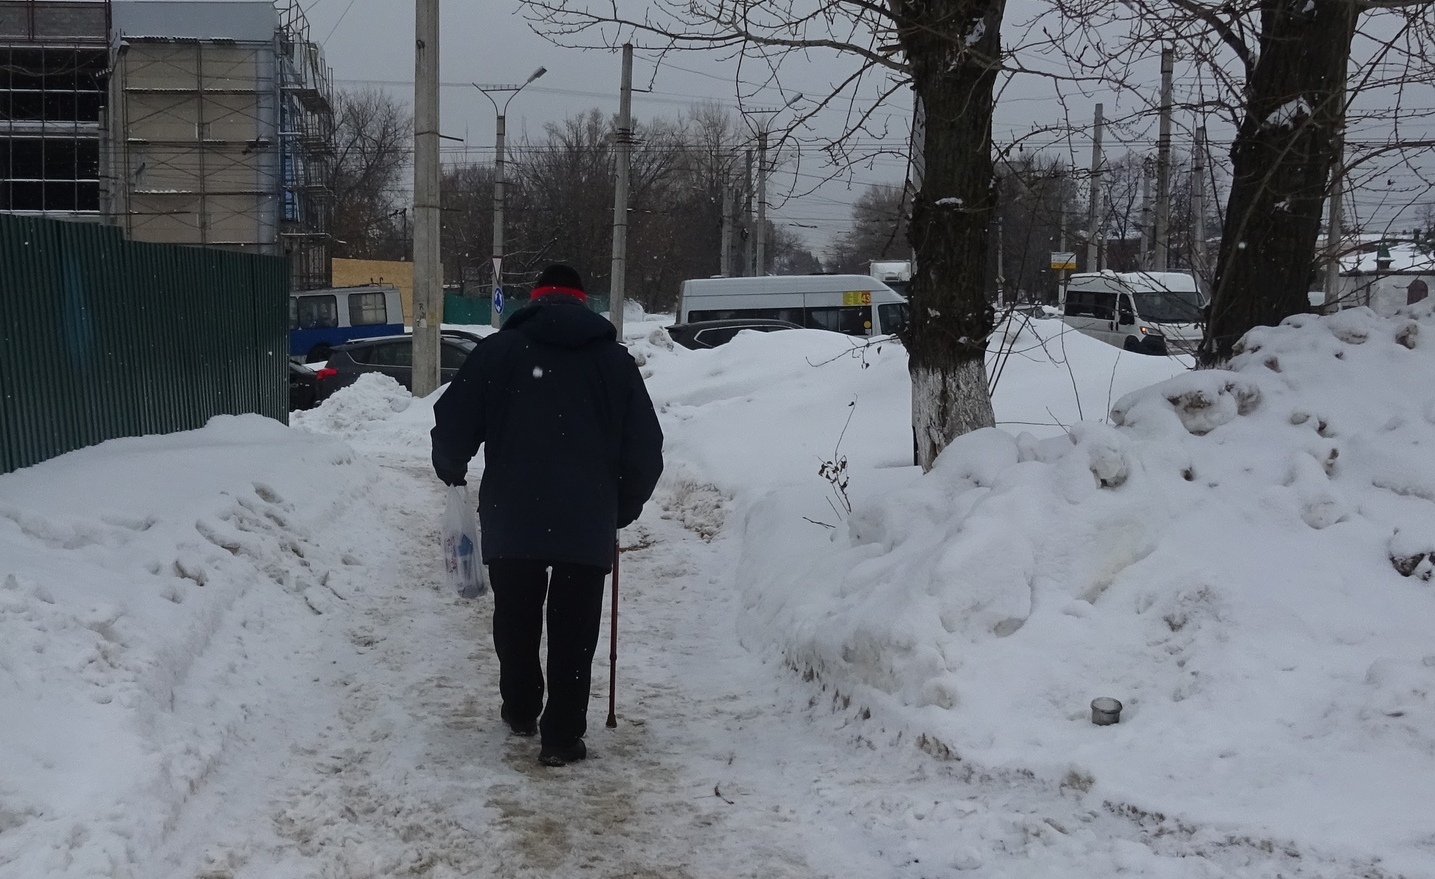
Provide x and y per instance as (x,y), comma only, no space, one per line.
(498,182)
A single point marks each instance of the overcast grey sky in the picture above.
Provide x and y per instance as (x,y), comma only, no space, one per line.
(371,42)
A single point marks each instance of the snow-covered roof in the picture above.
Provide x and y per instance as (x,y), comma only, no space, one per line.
(1406,258)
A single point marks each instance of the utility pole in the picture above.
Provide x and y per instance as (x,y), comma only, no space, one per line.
(747,216)
(1334,233)
(764,122)
(1061,279)
(428,280)
(1145,260)
(1001,274)
(1093,210)
(725,256)
(760,233)
(616,290)
(1198,204)
(1161,233)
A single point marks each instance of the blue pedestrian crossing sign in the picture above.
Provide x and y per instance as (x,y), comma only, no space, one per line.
(498,300)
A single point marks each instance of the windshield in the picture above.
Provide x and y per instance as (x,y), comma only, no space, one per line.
(1169,306)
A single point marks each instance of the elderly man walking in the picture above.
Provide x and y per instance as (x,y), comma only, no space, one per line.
(572,451)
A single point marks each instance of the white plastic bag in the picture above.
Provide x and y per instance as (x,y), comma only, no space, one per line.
(460,545)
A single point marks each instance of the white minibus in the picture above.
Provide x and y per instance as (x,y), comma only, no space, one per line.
(1146,312)
(857,305)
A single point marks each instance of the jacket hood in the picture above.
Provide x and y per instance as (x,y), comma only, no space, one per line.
(561,320)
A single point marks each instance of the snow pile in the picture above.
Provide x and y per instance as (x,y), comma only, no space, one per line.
(1241,557)
(134,573)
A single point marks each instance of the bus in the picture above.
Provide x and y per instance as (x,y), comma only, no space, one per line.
(321,319)
(857,305)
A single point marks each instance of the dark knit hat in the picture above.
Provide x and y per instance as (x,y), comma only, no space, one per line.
(564,278)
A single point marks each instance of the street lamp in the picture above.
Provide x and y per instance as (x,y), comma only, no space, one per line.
(489,91)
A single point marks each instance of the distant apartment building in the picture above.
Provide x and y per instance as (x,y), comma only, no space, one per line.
(180,122)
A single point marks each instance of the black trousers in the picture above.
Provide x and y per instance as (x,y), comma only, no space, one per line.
(574,596)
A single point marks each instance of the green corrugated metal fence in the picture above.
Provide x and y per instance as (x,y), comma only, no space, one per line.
(102,337)
(458,309)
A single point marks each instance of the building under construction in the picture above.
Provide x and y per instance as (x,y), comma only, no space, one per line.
(54,59)
(181,122)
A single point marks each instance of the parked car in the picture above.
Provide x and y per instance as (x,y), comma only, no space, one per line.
(303,386)
(392,356)
(712,333)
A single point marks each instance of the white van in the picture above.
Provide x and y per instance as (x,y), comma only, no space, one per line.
(857,305)
(895,273)
(1146,312)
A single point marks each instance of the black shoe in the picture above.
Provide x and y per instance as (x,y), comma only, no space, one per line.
(525,728)
(562,755)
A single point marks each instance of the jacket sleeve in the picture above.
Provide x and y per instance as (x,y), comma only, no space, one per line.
(641,457)
(459,425)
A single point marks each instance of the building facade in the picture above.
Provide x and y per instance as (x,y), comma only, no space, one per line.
(54,62)
(204,123)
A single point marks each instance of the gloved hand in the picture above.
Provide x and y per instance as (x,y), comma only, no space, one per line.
(452,478)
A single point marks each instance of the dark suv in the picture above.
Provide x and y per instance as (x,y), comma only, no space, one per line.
(712,333)
(392,356)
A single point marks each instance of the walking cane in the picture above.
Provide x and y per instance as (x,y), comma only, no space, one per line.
(613,648)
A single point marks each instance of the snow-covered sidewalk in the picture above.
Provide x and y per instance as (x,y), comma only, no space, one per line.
(229,653)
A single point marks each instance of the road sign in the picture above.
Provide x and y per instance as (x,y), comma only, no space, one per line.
(498,300)
(1065,262)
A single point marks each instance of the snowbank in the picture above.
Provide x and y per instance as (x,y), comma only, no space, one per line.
(1241,557)
(134,573)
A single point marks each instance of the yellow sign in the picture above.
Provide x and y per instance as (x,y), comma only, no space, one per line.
(1063,262)
(857,297)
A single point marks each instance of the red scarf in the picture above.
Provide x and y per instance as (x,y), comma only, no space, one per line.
(566,291)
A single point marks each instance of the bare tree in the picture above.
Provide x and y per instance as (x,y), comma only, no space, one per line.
(1281,75)
(879,230)
(1036,216)
(466,232)
(373,133)
(949,54)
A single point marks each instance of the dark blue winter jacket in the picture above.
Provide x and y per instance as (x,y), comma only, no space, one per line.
(572,447)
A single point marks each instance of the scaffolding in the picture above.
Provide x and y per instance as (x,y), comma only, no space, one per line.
(53,69)
(222,140)
(307,145)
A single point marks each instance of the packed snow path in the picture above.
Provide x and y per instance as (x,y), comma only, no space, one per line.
(384,755)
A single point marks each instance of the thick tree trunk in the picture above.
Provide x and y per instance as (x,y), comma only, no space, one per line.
(1281,163)
(954,48)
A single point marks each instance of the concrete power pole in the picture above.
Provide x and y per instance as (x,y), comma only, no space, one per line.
(1198,205)
(1093,208)
(760,233)
(1161,232)
(747,217)
(616,292)
(725,257)
(1145,260)
(428,278)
